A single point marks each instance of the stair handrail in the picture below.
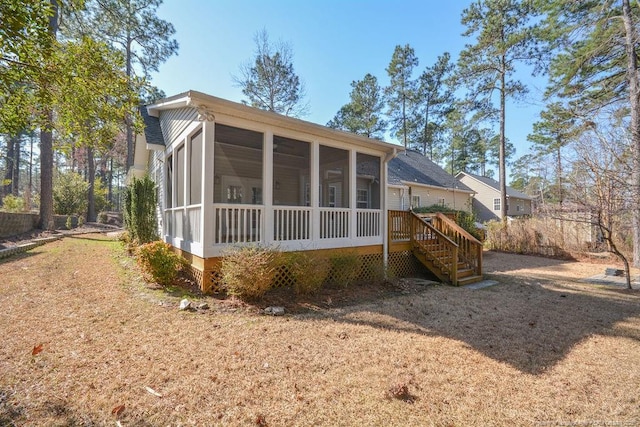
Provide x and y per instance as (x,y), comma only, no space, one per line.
(452,246)
(470,248)
(456,226)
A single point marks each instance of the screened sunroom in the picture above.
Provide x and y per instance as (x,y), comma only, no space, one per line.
(229,174)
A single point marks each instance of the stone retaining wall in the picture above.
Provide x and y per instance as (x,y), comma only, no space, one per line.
(12,223)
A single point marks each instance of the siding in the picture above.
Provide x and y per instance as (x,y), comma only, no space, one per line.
(394,199)
(174,122)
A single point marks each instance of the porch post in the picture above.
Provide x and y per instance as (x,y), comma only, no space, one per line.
(385,214)
(353,177)
(267,187)
(207,220)
(314,178)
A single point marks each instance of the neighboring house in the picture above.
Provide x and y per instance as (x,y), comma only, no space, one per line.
(486,202)
(230,175)
(415,181)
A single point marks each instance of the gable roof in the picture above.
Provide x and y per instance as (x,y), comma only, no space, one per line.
(495,185)
(207,106)
(412,167)
(152,130)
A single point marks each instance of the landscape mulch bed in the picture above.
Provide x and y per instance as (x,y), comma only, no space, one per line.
(86,342)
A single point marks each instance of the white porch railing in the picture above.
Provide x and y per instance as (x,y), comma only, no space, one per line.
(238,224)
(246,223)
(291,223)
(368,222)
(334,223)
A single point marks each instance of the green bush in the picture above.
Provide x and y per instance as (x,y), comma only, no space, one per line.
(159,263)
(69,222)
(308,271)
(103,217)
(80,220)
(70,194)
(100,196)
(140,210)
(249,271)
(11,203)
(345,268)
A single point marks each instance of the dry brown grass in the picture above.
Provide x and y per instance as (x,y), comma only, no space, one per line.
(533,350)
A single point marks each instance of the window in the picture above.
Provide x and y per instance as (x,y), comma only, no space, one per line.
(169,182)
(415,201)
(234,194)
(362,199)
(195,172)
(180,169)
(496,204)
(332,196)
(518,208)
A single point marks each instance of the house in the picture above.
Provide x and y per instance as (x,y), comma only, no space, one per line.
(486,202)
(415,181)
(229,175)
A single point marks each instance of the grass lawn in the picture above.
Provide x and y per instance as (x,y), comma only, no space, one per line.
(539,349)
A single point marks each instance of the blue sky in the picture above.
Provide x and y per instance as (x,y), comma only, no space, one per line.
(334,42)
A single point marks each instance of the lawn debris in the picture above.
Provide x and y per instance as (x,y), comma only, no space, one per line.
(152,391)
(400,391)
(185,304)
(274,311)
(37,349)
(117,411)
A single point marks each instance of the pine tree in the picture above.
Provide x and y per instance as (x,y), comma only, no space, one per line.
(434,99)
(270,82)
(503,39)
(401,92)
(363,113)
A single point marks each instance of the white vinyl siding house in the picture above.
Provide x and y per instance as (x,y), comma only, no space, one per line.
(229,174)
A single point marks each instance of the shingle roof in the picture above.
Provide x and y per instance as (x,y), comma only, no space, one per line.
(152,130)
(411,166)
(496,186)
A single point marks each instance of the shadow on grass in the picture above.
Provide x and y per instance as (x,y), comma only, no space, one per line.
(529,323)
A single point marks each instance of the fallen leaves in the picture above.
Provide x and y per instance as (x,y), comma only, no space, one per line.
(37,349)
(117,411)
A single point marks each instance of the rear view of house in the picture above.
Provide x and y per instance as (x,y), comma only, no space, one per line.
(230,175)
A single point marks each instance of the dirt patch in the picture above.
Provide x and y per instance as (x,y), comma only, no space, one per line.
(532,350)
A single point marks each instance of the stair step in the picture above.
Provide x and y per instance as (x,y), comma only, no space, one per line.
(469,280)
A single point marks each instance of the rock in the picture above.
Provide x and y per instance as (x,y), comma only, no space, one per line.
(274,311)
(203,306)
(185,304)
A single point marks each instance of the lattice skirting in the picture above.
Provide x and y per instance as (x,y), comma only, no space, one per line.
(370,268)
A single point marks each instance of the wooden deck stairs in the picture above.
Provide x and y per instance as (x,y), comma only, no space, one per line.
(441,245)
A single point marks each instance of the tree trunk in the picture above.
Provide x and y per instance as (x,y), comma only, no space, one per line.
(91,178)
(15,179)
(46,146)
(634,98)
(9,162)
(502,160)
(110,183)
(130,147)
